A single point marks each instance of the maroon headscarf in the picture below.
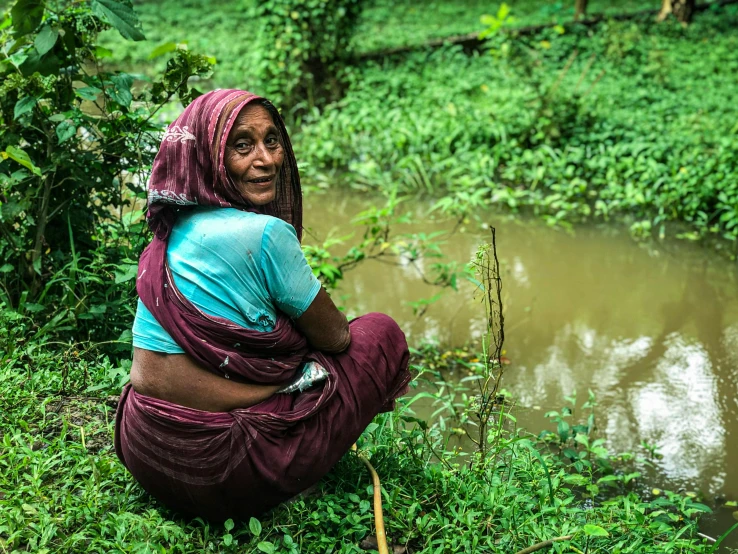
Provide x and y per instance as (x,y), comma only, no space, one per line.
(189,171)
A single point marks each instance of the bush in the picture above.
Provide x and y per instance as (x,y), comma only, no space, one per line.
(76,142)
(305,45)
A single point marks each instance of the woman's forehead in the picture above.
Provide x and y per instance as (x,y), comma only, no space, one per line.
(252,116)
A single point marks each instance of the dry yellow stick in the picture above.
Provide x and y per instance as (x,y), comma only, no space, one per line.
(378,516)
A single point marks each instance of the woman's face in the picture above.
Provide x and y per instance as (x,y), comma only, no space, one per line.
(254,155)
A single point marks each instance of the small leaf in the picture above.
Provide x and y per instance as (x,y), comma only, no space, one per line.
(120,16)
(265,546)
(7,268)
(700,507)
(595,531)
(45,39)
(563,431)
(229,524)
(163,49)
(24,105)
(228,539)
(255,526)
(65,130)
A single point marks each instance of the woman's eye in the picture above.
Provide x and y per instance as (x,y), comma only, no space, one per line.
(272,141)
(241,145)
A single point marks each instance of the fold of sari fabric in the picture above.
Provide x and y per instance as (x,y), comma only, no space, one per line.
(243,462)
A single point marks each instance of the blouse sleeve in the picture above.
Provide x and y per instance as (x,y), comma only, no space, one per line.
(289,279)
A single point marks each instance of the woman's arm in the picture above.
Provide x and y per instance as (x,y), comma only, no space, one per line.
(324,326)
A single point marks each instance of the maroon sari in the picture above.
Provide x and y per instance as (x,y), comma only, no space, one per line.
(243,462)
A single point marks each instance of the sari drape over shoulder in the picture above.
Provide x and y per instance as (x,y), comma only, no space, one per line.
(243,462)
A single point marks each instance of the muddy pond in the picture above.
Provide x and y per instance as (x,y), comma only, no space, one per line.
(651,329)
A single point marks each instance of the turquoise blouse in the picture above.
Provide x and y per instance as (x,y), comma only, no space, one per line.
(233,264)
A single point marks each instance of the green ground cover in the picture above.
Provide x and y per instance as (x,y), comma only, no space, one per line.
(230,31)
(62,489)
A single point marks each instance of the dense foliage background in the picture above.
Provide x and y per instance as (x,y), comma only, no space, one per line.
(621,119)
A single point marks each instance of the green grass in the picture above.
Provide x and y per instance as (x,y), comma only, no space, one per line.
(62,489)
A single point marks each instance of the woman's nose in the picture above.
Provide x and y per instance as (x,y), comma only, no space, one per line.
(264,156)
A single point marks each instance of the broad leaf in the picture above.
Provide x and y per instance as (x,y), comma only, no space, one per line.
(102,52)
(21,157)
(46,39)
(255,526)
(120,92)
(163,49)
(27,15)
(120,16)
(88,93)
(266,546)
(126,273)
(24,105)
(65,130)
(595,531)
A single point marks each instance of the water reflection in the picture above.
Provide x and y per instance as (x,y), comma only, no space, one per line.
(653,331)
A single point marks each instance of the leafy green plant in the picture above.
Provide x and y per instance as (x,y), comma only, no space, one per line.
(76,144)
(382,241)
(306,46)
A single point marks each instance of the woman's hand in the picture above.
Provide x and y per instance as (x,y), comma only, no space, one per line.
(325,326)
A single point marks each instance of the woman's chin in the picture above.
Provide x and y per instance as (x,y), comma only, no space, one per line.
(259,196)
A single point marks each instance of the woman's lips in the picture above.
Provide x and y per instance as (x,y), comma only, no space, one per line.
(267,180)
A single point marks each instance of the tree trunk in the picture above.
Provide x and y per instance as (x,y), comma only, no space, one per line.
(682,10)
(580,9)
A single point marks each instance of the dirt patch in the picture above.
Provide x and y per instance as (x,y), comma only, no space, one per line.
(92,416)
